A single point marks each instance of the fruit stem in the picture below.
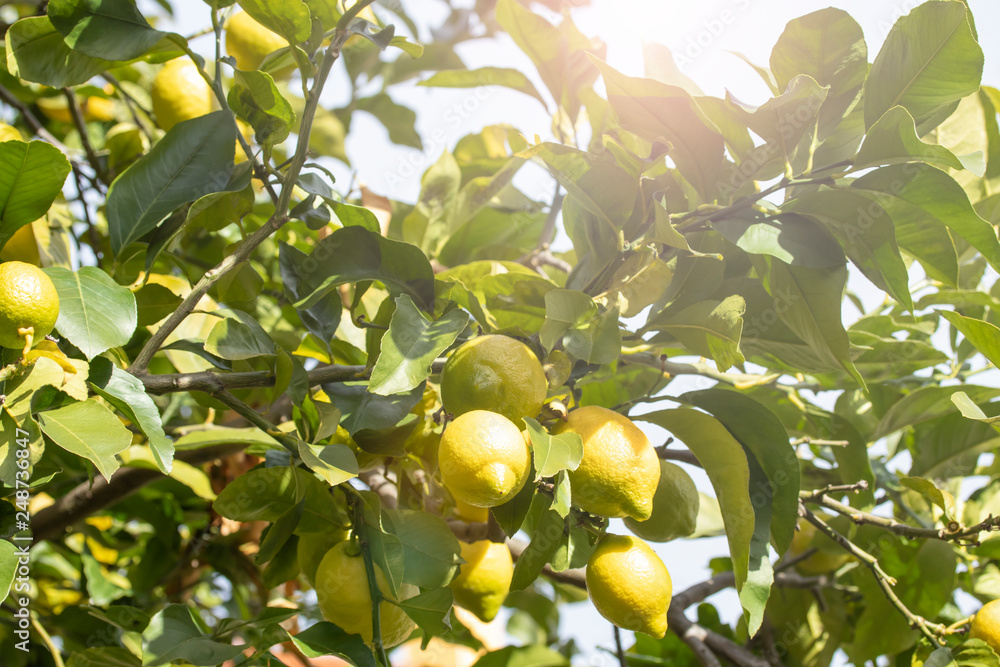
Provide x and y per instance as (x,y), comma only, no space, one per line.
(619,649)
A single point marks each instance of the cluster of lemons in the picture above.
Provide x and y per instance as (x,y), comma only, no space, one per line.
(484,458)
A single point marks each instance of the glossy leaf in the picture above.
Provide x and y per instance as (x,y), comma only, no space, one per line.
(89,430)
(173,634)
(37,52)
(893,139)
(984,336)
(288,18)
(106,29)
(485,76)
(334,462)
(553,453)
(95,312)
(325,638)
(31,177)
(430,549)
(255,98)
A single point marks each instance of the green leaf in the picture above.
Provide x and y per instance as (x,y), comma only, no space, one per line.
(106,29)
(523,656)
(255,99)
(128,395)
(932,494)
(970,410)
(725,462)
(8,567)
(327,639)
(866,234)
(429,610)
(928,62)
(708,328)
(31,177)
(103,656)
(264,494)
(279,533)
(657,111)
(194,159)
(893,139)
(564,310)
(239,337)
(410,345)
(173,634)
(289,18)
(553,453)
(399,120)
(794,239)
(829,46)
(983,336)
(223,436)
(927,403)
(352,254)
(430,549)
(335,462)
(388,553)
(484,76)
(813,298)
(37,52)
(500,295)
(512,513)
(545,540)
(764,436)
(89,430)
(95,312)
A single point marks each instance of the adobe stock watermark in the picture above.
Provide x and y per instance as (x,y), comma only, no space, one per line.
(21,585)
(710,31)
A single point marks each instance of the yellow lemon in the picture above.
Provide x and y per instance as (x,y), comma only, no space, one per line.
(94,108)
(483,458)
(470,514)
(494,373)
(675,507)
(312,547)
(483,581)
(249,42)
(829,555)
(619,472)
(27,299)
(986,625)
(22,247)
(180,93)
(629,584)
(344,598)
(9,133)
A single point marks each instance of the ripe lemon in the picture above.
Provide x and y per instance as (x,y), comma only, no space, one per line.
(9,133)
(483,458)
(629,584)
(470,514)
(675,507)
(249,42)
(94,108)
(27,299)
(619,472)
(179,93)
(344,598)
(484,579)
(21,247)
(986,625)
(494,373)
(828,557)
(312,547)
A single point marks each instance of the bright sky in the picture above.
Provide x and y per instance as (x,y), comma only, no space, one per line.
(701,33)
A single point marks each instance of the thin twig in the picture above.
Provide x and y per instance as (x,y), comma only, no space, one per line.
(29,118)
(619,649)
(255,418)
(81,127)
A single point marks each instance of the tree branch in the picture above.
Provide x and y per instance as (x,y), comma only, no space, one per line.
(81,128)
(88,498)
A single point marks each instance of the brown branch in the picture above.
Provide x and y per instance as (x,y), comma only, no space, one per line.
(88,497)
(29,118)
(81,127)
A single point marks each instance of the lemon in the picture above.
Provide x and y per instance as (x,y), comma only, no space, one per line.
(249,42)
(22,247)
(619,472)
(483,458)
(93,108)
(312,547)
(470,514)
(986,625)
(344,598)
(675,507)
(629,584)
(180,93)
(828,557)
(494,373)
(484,579)
(9,133)
(28,299)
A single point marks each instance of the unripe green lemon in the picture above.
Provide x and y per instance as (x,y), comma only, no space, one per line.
(495,373)
(619,472)
(985,625)
(629,584)
(27,299)
(484,579)
(675,507)
(344,598)
(180,93)
(483,458)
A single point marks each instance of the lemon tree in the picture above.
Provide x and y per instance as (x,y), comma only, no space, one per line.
(299,361)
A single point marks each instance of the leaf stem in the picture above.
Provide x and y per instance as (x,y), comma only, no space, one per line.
(361,531)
